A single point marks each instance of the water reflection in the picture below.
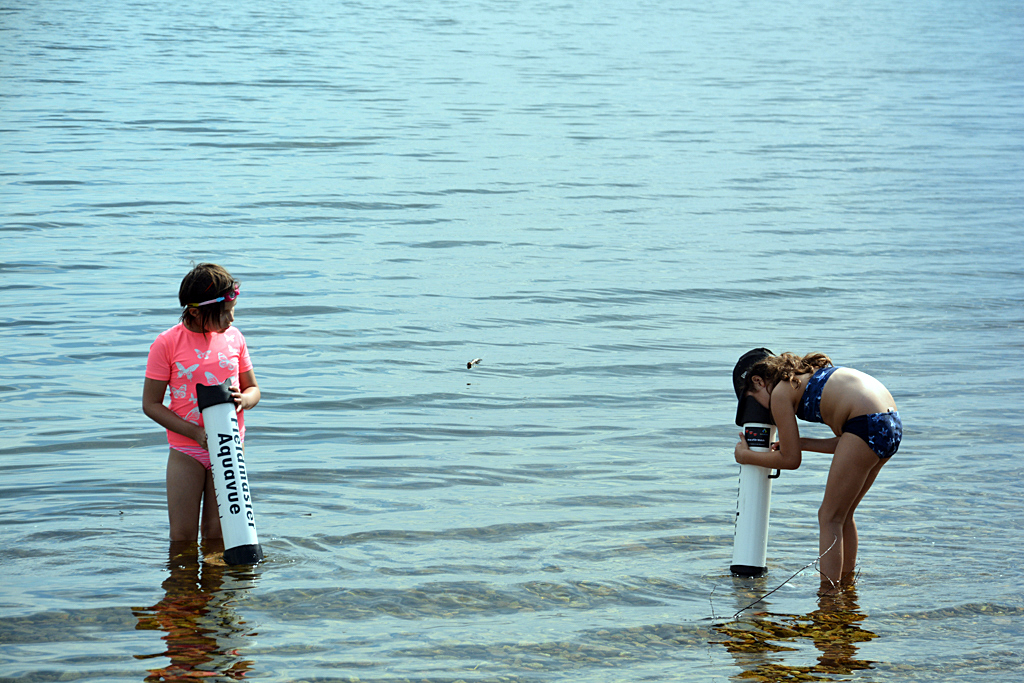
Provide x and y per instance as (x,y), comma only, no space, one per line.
(203,634)
(758,642)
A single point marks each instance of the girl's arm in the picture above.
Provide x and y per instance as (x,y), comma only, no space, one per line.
(819,445)
(153,406)
(247,393)
(789,453)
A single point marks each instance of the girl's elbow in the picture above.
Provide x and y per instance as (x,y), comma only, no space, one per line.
(791,462)
(150,408)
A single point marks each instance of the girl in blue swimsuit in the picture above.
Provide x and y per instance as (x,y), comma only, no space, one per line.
(861,413)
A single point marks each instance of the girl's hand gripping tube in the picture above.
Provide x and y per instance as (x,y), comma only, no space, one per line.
(750,544)
(234,499)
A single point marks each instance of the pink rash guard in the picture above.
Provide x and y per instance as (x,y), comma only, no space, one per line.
(183,358)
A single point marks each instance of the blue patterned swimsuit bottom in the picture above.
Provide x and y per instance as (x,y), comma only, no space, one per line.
(882,432)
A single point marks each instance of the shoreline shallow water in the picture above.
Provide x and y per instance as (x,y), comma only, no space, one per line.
(608,206)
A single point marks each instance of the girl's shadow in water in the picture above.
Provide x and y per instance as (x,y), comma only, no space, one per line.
(203,634)
(759,642)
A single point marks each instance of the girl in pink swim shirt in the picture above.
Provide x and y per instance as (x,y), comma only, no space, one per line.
(202,348)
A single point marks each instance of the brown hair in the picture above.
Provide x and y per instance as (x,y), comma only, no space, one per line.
(204,282)
(786,367)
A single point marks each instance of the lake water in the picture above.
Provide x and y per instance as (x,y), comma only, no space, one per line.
(606,202)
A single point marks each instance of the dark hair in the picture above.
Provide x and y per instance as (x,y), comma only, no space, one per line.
(204,282)
(785,367)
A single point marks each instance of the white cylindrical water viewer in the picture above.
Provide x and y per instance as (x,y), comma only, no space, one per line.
(753,506)
(234,499)
(750,544)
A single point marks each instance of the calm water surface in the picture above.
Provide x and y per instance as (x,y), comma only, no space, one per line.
(608,203)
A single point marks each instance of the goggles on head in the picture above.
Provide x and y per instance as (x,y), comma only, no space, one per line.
(230,296)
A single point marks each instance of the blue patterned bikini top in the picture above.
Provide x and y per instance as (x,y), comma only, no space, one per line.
(810,403)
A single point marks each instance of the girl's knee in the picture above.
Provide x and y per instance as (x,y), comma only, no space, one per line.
(830,516)
(211,528)
(186,535)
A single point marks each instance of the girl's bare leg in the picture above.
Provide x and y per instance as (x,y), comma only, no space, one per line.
(854,468)
(850,542)
(850,539)
(186,481)
(211,513)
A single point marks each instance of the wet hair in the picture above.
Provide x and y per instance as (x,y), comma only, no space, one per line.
(204,282)
(786,367)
